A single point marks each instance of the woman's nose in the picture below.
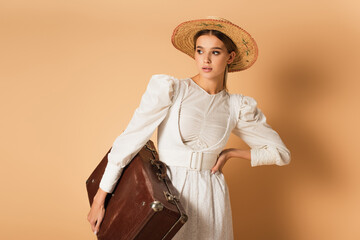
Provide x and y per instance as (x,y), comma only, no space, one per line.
(207,59)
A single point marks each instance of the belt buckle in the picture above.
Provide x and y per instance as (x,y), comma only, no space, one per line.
(196,160)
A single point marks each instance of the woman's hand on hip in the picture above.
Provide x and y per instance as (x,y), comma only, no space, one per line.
(226,154)
(97,211)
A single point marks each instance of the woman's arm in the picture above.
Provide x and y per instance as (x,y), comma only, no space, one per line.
(153,108)
(266,146)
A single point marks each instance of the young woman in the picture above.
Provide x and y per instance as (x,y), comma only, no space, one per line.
(195,117)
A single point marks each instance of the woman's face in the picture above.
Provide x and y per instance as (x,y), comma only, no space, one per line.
(211,56)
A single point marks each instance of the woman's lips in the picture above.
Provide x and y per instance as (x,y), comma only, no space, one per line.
(207,69)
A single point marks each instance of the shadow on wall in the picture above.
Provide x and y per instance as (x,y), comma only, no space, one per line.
(303,88)
(262,204)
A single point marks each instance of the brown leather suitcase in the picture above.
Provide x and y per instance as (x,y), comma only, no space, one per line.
(143,204)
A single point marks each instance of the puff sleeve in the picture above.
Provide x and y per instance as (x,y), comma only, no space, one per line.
(266,145)
(152,110)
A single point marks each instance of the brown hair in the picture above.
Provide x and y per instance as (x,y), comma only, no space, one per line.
(229,44)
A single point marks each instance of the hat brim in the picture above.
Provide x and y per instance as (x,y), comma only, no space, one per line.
(183,34)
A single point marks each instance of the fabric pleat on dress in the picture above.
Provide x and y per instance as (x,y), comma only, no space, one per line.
(205,198)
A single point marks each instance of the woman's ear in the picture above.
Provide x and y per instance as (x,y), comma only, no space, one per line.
(231,57)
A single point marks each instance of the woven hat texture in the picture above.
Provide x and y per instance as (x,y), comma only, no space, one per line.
(183,34)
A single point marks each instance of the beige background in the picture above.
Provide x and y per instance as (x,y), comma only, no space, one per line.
(73,72)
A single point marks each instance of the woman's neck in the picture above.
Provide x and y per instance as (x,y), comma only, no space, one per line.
(210,85)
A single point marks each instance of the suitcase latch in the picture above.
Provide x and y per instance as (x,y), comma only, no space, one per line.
(170,198)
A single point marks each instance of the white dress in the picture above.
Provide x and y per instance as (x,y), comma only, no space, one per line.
(191,120)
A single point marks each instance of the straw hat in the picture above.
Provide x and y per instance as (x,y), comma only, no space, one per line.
(183,35)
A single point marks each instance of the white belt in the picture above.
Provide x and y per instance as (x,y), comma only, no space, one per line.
(192,160)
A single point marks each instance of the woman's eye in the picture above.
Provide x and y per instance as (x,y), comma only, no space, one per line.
(199,51)
(216,52)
